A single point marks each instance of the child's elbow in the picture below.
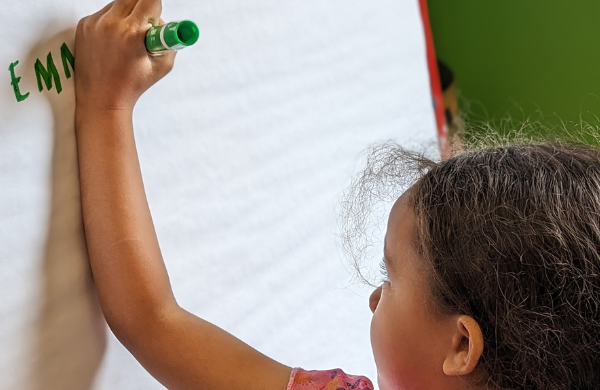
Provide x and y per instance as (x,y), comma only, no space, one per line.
(134,327)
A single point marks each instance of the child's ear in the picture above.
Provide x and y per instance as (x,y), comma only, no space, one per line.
(466,349)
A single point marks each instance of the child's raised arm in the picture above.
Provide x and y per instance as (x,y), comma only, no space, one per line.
(182,351)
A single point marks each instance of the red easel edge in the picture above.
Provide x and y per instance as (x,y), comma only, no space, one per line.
(436,85)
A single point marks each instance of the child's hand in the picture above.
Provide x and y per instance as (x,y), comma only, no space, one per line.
(112,66)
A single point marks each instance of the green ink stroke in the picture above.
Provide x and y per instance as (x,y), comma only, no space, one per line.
(41,72)
(66,55)
(15,82)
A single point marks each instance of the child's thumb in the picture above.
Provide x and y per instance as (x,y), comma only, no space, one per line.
(164,62)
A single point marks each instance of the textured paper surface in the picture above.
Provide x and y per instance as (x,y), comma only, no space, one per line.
(262,125)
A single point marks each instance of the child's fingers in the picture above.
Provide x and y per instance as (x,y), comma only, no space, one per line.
(124,7)
(98,14)
(148,10)
(106,8)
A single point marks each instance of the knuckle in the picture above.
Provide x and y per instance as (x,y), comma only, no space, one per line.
(108,27)
(81,24)
(132,31)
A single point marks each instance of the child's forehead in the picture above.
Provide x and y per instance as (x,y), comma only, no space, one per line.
(399,238)
(401,210)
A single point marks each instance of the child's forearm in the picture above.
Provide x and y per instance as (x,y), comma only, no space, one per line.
(127,265)
(179,349)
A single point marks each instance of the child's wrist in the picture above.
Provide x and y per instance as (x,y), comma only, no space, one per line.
(93,105)
(91,115)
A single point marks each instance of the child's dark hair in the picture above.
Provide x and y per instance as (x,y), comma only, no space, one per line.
(511,237)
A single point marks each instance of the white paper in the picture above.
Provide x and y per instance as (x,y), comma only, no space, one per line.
(261,126)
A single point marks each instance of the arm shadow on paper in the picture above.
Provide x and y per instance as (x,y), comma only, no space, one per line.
(71,333)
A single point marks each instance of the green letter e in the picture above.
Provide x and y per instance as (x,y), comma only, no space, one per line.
(15,82)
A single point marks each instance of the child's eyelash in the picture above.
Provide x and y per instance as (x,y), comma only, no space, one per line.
(383,270)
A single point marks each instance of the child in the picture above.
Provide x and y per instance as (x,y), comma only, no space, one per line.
(493,256)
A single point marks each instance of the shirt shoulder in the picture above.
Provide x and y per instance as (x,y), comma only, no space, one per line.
(335,379)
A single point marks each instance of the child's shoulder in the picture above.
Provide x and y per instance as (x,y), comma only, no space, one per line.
(335,379)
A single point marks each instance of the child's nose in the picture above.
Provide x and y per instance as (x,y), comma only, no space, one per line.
(374,299)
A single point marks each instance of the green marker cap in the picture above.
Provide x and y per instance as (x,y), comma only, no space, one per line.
(172,36)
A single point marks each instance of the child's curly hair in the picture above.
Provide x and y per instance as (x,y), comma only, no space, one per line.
(511,237)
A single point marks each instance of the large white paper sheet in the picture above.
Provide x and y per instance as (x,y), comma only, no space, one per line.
(245,147)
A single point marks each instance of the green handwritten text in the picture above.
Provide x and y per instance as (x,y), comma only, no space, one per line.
(15,82)
(48,73)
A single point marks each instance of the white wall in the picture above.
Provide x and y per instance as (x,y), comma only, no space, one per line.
(263,123)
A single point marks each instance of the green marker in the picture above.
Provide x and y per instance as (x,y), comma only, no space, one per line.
(171,36)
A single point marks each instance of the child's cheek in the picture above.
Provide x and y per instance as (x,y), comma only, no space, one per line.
(384,350)
(396,351)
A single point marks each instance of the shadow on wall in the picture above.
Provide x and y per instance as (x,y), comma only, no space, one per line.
(70,338)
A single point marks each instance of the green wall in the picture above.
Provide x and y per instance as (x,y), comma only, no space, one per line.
(522,57)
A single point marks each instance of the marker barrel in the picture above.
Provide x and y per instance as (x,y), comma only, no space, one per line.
(171,36)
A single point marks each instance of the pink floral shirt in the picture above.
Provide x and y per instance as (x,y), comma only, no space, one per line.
(335,379)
